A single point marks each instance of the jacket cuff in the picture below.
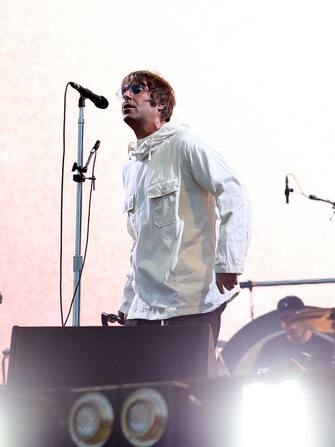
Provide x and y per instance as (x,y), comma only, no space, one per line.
(237,268)
(125,307)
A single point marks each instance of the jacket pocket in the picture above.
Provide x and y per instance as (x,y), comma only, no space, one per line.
(163,200)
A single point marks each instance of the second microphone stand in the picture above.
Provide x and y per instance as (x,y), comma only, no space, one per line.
(79,179)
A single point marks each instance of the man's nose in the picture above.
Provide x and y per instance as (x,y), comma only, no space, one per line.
(128,94)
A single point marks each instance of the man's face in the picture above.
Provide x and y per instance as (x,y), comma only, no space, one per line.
(294,333)
(136,107)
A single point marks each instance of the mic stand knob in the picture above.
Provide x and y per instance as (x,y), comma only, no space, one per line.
(79,178)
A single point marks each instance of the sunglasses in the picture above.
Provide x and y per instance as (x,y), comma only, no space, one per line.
(134,89)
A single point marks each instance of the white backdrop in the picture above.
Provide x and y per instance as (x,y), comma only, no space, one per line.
(255,79)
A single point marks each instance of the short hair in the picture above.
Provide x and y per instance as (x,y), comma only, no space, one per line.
(161,92)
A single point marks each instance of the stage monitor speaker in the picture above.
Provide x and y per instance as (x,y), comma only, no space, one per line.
(157,413)
(55,357)
(27,420)
(163,414)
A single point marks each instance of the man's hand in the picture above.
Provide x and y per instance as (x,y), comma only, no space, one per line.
(121,318)
(227,280)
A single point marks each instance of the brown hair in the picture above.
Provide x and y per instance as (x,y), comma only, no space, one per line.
(161,92)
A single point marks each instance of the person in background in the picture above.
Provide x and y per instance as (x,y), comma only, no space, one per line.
(188,215)
(295,348)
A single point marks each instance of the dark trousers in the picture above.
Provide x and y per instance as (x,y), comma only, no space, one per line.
(211,318)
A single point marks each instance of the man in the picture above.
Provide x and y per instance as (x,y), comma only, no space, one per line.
(181,273)
(295,349)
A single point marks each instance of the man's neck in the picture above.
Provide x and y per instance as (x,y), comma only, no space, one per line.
(147,129)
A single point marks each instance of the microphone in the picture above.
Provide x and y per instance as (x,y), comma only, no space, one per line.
(110,318)
(99,101)
(287,190)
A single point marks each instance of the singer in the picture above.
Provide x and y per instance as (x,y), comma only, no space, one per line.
(183,269)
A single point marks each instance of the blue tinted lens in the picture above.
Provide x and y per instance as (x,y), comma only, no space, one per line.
(134,88)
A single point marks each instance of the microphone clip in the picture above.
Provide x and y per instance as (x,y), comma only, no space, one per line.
(80,177)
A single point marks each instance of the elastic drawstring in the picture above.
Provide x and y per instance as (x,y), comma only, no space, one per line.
(138,154)
(150,149)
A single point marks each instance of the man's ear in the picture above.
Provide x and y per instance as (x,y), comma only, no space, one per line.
(161,107)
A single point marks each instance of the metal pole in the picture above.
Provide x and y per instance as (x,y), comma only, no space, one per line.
(251,284)
(78,259)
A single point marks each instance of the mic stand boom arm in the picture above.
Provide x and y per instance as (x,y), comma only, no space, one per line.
(289,282)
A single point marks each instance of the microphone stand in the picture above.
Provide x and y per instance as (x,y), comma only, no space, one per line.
(311,196)
(77,258)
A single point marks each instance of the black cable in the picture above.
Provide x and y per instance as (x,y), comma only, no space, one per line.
(61,215)
(87,238)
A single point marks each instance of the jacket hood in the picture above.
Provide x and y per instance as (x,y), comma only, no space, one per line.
(144,147)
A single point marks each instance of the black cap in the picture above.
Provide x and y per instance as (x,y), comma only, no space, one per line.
(288,305)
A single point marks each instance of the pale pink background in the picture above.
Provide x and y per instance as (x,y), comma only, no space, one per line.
(256,79)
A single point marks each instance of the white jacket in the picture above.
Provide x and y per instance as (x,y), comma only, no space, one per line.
(173,186)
